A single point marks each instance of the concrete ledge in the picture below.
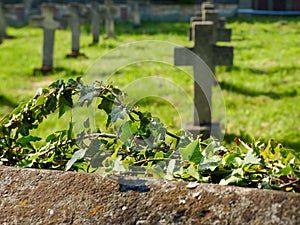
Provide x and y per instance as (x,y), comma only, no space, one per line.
(53,197)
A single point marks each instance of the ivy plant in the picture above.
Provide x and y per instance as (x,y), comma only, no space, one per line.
(133,142)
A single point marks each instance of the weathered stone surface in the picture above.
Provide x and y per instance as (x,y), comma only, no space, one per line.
(54,197)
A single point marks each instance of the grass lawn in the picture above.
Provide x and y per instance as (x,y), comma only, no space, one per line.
(261,90)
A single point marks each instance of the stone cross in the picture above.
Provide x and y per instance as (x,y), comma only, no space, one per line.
(222,33)
(209,13)
(136,16)
(49,25)
(74,22)
(212,55)
(96,16)
(110,12)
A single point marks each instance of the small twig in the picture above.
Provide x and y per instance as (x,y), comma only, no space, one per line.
(173,135)
(150,160)
(283,185)
(102,135)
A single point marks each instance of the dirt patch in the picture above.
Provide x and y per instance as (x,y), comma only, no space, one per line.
(54,197)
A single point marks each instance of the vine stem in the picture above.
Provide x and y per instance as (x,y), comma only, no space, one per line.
(150,160)
(74,140)
(168,133)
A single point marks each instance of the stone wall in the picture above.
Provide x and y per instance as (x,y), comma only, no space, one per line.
(54,197)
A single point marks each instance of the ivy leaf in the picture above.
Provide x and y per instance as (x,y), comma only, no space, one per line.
(118,112)
(77,155)
(159,154)
(28,161)
(191,152)
(236,177)
(210,163)
(40,100)
(250,158)
(193,171)
(106,105)
(62,110)
(27,139)
(128,129)
(87,94)
(51,104)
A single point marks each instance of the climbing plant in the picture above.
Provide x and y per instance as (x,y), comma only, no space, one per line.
(135,143)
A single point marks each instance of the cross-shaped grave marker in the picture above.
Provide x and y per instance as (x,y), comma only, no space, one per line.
(212,55)
(76,11)
(135,13)
(110,12)
(49,25)
(96,16)
(209,13)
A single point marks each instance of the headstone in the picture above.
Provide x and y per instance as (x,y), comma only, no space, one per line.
(75,17)
(49,25)
(110,12)
(16,15)
(96,16)
(209,13)
(2,24)
(136,16)
(212,55)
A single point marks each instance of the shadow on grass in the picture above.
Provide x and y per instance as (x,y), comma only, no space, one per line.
(66,72)
(256,71)
(153,28)
(4,101)
(244,91)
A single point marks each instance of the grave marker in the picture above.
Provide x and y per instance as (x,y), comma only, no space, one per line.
(222,33)
(74,21)
(49,25)
(96,18)
(136,16)
(212,55)
(209,13)
(110,12)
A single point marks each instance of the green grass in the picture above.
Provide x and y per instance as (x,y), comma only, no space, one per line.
(261,90)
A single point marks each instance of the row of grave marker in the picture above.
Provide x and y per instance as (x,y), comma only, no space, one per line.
(206,30)
(96,13)
(75,15)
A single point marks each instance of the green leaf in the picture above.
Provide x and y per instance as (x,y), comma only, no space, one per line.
(236,177)
(159,154)
(26,139)
(230,158)
(128,130)
(62,110)
(51,103)
(209,163)
(191,152)
(251,158)
(40,100)
(28,161)
(106,105)
(118,112)
(51,137)
(77,155)
(193,171)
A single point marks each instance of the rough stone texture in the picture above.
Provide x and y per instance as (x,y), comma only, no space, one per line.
(54,197)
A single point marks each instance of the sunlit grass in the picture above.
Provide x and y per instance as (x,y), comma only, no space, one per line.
(261,90)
